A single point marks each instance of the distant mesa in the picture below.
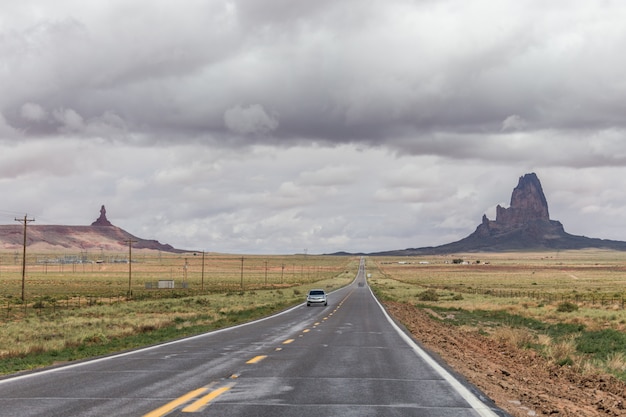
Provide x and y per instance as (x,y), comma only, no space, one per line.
(102,220)
(524,226)
(100,235)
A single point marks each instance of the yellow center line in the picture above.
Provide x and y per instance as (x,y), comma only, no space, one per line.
(204,401)
(169,407)
(286,342)
(306,331)
(256,359)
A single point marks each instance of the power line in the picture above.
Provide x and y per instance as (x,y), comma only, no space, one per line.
(10,213)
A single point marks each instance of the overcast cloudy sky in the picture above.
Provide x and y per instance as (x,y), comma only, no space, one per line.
(277,126)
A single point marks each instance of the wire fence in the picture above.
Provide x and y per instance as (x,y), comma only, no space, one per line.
(68,282)
(591,299)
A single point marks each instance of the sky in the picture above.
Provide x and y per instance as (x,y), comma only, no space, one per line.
(283,126)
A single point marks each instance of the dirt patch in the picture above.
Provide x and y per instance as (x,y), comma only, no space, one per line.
(519,381)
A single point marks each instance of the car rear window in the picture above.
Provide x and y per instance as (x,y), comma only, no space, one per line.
(314,292)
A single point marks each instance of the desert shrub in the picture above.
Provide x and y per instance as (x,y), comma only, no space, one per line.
(562,351)
(428,295)
(520,337)
(616,361)
(566,307)
(94,338)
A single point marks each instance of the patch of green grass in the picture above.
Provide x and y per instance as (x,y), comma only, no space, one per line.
(601,343)
(493,318)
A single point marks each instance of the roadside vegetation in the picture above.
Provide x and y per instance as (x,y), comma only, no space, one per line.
(568,306)
(85,309)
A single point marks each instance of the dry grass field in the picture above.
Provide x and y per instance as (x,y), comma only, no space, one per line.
(77,306)
(535,331)
(539,333)
(534,284)
(110,275)
(569,304)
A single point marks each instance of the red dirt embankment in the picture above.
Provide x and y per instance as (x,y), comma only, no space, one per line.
(519,381)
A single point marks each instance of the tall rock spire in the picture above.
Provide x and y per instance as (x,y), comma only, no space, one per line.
(528,203)
(102,220)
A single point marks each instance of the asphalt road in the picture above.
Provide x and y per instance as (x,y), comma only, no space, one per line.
(346,359)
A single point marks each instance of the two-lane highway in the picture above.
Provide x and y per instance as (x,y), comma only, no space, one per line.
(346,359)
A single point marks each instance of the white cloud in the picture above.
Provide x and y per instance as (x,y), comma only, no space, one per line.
(513,122)
(70,120)
(250,119)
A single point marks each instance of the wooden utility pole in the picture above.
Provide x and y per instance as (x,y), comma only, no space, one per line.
(242,272)
(25,220)
(282,272)
(130,263)
(202,284)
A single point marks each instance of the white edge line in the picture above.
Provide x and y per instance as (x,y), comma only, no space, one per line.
(467,395)
(146,349)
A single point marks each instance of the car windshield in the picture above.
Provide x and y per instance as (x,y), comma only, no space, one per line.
(316,292)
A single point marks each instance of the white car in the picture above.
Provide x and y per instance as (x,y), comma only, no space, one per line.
(316,297)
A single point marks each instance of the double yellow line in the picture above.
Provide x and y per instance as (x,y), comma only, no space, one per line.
(197,405)
(204,397)
(201,402)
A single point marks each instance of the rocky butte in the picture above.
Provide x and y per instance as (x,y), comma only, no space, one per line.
(525,225)
(101,235)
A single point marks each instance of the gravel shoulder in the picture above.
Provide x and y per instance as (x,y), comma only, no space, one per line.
(519,381)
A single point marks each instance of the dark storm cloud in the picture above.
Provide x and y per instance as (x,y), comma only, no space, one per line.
(274,111)
(321,71)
